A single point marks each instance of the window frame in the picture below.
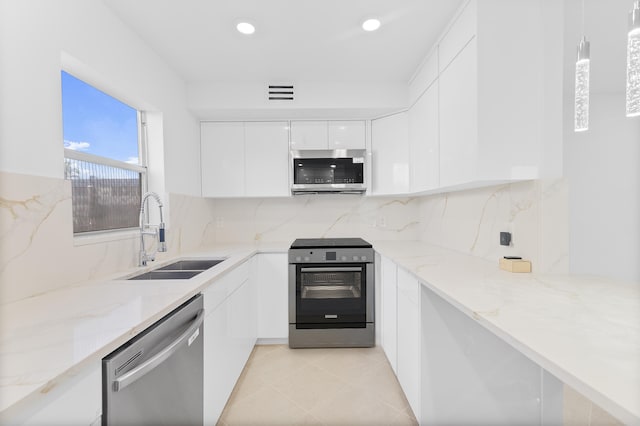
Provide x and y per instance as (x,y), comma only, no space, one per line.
(141,167)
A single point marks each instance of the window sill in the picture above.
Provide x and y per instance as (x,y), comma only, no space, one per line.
(106,237)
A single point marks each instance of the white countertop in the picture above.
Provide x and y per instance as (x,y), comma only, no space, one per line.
(584,330)
(51,337)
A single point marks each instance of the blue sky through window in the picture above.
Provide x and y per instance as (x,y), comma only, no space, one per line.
(97,123)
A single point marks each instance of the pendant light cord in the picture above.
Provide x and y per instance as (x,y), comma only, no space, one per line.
(583,33)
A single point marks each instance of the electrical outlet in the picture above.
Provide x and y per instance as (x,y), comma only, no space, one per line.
(382,222)
(505,238)
(219,222)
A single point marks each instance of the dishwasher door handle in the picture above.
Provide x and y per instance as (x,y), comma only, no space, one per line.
(138,372)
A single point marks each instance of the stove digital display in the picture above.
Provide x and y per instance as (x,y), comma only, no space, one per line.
(330,255)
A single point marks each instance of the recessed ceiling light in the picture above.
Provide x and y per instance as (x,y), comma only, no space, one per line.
(245,28)
(371,24)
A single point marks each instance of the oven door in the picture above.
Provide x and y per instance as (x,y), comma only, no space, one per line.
(331,295)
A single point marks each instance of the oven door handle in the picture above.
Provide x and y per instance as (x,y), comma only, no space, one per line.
(333,269)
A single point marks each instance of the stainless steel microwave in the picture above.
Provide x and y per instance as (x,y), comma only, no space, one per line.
(328,171)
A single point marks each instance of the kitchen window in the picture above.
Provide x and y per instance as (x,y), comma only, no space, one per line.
(103,157)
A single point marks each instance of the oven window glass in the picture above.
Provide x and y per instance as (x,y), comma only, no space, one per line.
(327,171)
(331,285)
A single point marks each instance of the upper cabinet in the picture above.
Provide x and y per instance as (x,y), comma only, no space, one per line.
(245,159)
(424,144)
(498,74)
(328,135)
(390,155)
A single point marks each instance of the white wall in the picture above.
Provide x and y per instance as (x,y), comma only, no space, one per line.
(603,172)
(602,165)
(313,100)
(37,39)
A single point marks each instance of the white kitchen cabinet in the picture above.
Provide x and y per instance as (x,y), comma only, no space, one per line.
(229,336)
(272,280)
(76,402)
(494,95)
(245,159)
(466,365)
(389,315)
(424,141)
(459,119)
(266,159)
(409,343)
(328,135)
(222,159)
(309,135)
(347,135)
(390,155)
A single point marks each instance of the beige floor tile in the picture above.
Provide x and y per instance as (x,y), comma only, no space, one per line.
(283,386)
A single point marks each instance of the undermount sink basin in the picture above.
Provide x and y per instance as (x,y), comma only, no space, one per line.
(166,275)
(191,265)
(178,270)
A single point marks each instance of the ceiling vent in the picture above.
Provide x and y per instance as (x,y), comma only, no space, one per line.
(280,92)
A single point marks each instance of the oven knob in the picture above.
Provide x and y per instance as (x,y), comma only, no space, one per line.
(343,258)
(363,258)
(306,258)
(298,258)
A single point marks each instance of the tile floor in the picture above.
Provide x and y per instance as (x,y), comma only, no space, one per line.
(351,386)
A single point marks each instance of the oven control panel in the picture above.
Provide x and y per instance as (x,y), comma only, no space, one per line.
(331,255)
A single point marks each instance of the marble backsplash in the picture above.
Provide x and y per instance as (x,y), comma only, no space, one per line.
(38,251)
(534,212)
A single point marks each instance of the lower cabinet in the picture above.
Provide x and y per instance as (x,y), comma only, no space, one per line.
(272,280)
(78,402)
(409,343)
(230,334)
(466,365)
(389,315)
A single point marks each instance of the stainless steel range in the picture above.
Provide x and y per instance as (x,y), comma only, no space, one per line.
(331,289)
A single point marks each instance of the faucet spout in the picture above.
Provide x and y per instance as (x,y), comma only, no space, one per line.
(159,233)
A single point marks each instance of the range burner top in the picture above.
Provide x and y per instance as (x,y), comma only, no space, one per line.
(330,243)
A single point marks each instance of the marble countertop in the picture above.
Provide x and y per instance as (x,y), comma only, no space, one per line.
(584,330)
(50,338)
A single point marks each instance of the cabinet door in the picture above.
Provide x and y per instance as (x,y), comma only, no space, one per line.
(309,135)
(222,159)
(424,143)
(409,343)
(347,135)
(389,311)
(459,118)
(266,159)
(77,403)
(273,297)
(390,155)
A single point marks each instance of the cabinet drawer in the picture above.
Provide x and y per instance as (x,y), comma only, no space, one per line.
(462,30)
(223,287)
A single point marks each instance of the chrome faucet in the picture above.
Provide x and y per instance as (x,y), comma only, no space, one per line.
(146,229)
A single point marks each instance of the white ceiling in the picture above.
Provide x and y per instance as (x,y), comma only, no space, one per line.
(295,40)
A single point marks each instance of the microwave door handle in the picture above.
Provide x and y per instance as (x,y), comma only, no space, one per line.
(126,379)
(333,269)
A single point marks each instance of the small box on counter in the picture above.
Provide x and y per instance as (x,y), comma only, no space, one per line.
(515,264)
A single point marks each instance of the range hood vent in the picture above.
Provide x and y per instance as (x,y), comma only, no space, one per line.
(280,92)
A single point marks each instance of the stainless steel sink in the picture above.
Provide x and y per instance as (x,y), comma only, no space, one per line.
(178,270)
(166,275)
(191,265)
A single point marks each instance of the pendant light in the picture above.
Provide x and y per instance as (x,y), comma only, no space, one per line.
(633,62)
(581,111)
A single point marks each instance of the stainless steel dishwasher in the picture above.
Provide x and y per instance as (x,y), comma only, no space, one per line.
(156,377)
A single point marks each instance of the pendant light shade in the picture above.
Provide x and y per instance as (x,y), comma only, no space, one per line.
(633,62)
(581,116)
